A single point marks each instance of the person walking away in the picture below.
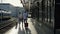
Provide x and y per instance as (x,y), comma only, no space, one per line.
(25,16)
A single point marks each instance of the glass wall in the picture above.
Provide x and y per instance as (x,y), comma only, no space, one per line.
(46,11)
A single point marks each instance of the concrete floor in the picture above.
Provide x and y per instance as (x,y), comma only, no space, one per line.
(33,28)
(20,30)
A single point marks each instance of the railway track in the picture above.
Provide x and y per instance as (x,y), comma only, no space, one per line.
(8,22)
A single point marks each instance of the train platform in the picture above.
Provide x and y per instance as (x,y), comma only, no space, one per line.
(33,28)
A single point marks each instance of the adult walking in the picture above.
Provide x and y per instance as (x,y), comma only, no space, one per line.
(25,16)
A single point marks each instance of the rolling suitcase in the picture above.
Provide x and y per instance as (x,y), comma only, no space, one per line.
(26,25)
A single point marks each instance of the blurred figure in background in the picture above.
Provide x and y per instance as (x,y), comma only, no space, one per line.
(25,16)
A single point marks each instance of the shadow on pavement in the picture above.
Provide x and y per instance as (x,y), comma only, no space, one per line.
(16,25)
(27,31)
(19,24)
(21,31)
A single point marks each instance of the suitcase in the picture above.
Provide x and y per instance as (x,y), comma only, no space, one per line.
(26,24)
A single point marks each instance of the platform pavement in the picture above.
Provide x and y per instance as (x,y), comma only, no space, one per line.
(20,30)
(33,28)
